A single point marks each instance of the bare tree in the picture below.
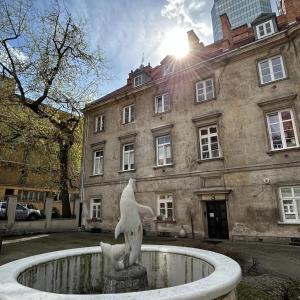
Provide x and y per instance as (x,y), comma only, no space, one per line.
(49,58)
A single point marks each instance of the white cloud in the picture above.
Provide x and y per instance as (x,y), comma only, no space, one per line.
(191,14)
(18,56)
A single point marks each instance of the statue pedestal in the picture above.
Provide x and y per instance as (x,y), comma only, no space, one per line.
(132,279)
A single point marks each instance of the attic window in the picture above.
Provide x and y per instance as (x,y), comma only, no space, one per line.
(265,29)
(168,69)
(138,80)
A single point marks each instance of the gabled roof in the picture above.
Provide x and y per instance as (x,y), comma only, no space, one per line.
(263,17)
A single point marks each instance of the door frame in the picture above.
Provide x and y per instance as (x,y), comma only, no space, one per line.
(216,201)
(203,208)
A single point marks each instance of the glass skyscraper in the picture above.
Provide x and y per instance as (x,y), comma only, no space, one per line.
(239,12)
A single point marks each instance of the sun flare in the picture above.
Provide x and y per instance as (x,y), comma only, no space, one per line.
(175,43)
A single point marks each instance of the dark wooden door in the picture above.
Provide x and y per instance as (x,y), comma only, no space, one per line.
(217,220)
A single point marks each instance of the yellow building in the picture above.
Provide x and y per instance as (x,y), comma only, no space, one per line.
(29,166)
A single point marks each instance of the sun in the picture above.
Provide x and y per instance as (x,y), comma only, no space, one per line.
(175,43)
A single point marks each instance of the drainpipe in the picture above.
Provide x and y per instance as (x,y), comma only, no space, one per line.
(85,138)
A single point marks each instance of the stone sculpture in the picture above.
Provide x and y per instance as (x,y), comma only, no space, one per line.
(125,255)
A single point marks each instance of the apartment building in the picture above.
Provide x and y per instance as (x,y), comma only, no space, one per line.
(212,139)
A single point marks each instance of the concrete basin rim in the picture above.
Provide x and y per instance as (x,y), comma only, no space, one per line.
(222,280)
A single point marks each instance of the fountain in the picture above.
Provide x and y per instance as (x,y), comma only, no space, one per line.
(124,271)
(127,275)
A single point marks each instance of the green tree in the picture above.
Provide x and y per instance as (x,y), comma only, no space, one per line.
(48,57)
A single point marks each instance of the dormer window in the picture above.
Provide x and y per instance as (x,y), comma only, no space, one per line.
(265,29)
(168,69)
(138,80)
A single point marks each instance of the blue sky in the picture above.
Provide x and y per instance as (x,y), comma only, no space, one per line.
(132,31)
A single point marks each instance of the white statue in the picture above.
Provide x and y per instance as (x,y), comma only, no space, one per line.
(124,255)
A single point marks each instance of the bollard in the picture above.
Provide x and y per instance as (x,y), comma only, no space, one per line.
(11,210)
(48,211)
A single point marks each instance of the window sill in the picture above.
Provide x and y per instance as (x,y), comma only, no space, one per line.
(288,223)
(204,101)
(259,38)
(94,221)
(200,161)
(272,82)
(165,221)
(99,175)
(97,132)
(156,114)
(128,123)
(126,171)
(163,166)
(139,85)
(272,152)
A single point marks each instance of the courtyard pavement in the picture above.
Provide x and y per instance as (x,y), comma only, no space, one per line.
(270,271)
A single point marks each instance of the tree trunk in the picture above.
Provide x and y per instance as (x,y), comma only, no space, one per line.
(64,179)
(24,168)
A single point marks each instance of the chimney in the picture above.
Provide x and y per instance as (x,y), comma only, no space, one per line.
(226,28)
(291,8)
(194,42)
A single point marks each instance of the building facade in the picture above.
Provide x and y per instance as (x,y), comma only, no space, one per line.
(239,13)
(212,140)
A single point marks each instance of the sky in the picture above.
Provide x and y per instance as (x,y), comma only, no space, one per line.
(132,32)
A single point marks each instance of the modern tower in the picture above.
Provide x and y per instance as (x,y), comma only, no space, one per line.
(239,12)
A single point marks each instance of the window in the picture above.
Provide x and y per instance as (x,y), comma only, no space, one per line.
(282,131)
(138,80)
(162,103)
(265,29)
(128,114)
(98,162)
(163,150)
(20,207)
(271,69)
(290,201)
(96,208)
(99,123)
(128,157)
(209,142)
(168,69)
(205,90)
(165,206)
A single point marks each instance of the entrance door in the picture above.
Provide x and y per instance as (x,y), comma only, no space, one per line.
(217,220)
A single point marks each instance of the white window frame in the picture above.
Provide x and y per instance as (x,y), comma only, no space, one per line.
(101,162)
(168,69)
(209,136)
(163,100)
(99,123)
(164,147)
(131,114)
(165,198)
(282,135)
(138,80)
(292,209)
(205,93)
(128,152)
(264,25)
(269,60)
(98,208)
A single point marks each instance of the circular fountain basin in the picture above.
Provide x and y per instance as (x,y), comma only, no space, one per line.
(173,273)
